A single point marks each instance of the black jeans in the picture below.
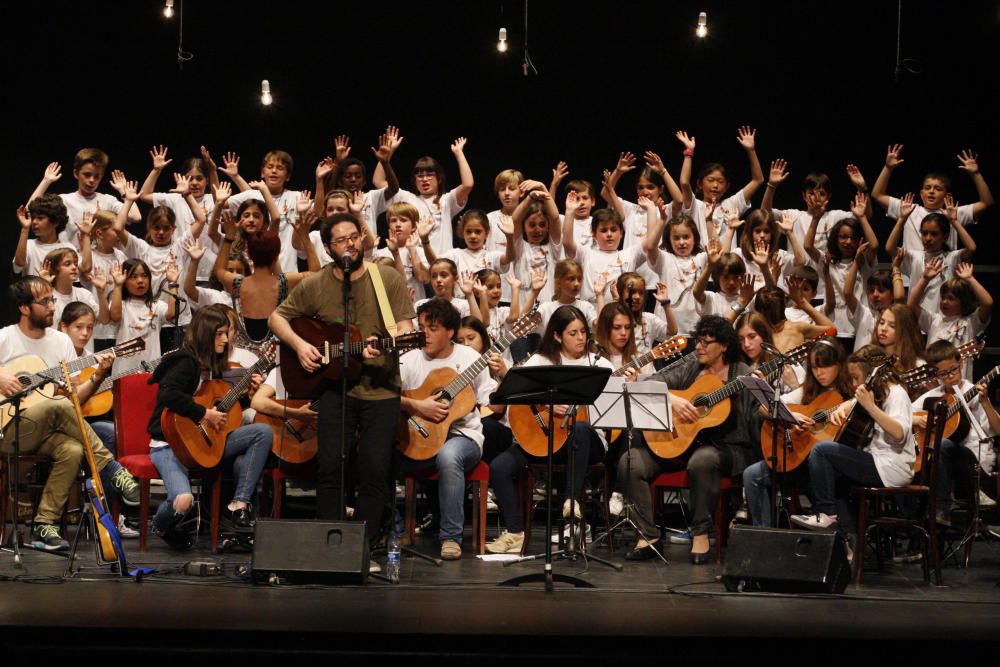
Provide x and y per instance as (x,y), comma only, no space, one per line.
(371,429)
(833,467)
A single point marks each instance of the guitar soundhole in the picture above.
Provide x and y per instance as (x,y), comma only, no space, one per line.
(444,398)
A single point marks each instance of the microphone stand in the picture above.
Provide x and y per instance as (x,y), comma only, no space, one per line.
(345,266)
(773,417)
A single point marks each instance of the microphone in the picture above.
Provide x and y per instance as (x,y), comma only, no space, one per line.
(346,262)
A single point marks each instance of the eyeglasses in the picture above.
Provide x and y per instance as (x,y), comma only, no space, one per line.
(47,301)
(951,371)
(705,342)
(352,239)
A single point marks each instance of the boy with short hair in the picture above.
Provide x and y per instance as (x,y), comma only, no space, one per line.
(726,270)
(808,279)
(945,357)
(586,199)
(505,185)
(933,191)
(45,217)
(403,248)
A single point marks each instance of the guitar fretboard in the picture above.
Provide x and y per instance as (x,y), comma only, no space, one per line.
(240,388)
(768,369)
(501,343)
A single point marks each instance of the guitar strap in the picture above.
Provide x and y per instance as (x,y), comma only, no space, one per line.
(383,299)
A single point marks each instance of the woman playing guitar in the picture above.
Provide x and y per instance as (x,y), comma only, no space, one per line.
(202,356)
(564,343)
(723,450)
(887,458)
(826,376)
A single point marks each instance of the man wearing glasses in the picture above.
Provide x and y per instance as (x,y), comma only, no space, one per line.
(723,450)
(50,427)
(373,402)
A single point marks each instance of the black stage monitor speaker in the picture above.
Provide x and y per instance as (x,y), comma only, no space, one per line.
(785,561)
(313,552)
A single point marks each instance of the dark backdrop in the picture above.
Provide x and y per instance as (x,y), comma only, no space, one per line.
(815,78)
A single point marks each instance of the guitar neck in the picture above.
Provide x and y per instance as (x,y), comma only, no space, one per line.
(971,393)
(636,363)
(240,388)
(355,348)
(464,378)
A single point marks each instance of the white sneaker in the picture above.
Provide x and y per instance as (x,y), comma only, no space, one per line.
(124,530)
(374,567)
(507,543)
(491,501)
(577,509)
(566,536)
(819,521)
(617,504)
(985,500)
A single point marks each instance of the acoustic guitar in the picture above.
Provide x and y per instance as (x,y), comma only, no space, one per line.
(197,445)
(795,446)
(295,439)
(109,542)
(956,426)
(101,401)
(859,425)
(711,397)
(917,379)
(530,423)
(31,372)
(329,340)
(456,392)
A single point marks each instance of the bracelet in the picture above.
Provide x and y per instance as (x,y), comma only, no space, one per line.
(897,277)
(688,152)
(772,185)
(173,285)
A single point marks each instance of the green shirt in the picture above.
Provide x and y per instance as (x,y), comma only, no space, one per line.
(320,296)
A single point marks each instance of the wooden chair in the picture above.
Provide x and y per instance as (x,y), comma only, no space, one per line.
(134,401)
(922,488)
(534,470)
(680,480)
(479,477)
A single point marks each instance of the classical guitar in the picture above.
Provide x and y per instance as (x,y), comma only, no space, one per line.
(101,401)
(795,446)
(711,397)
(956,426)
(109,542)
(197,445)
(455,391)
(329,340)
(294,438)
(857,428)
(32,373)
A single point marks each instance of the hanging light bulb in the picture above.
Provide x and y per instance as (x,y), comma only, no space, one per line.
(702,28)
(502,42)
(265,93)
(168,8)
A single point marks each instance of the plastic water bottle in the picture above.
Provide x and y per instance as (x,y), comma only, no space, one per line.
(392,559)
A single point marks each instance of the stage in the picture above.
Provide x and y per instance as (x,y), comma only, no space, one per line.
(459,611)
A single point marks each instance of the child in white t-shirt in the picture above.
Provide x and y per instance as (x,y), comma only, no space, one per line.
(728,271)
(536,237)
(505,185)
(630,290)
(444,278)
(96,259)
(60,269)
(404,249)
(474,227)
(567,279)
(586,198)
(45,217)
(882,291)
(761,233)
(139,314)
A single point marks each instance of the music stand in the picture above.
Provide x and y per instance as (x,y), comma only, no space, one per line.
(614,409)
(779,414)
(551,385)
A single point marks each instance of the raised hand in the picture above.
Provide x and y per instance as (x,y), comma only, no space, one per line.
(478,288)
(23,216)
(968,161)
(118,181)
(646,203)
(86,224)
(412,241)
(600,282)
(933,266)
(559,172)
(786,222)
(714,250)
(653,161)
(795,289)
(528,185)
(424,227)
(228,223)
(683,137)
(392,134)
(231,164)
(964,271)
(458,145)
(513,281)
(816,206)
(892,159)
(466,282)
(117,274)
(222,192)
(194,249)
(572,202)
(859,205)
(324,167)
(183,184)
(540,195)
(206,155)
(53,172)
(506,225)
(342,147)
(538,279)
(710,205)
(857,179)
(45,271)
(746,136)
(897,259)
(130,191)
(732,218)
(159,155)
(662,293)
(384,151)
(760,252)
(357,204)
(951,208)
(862,249)
(626,162)
(98,279)
(779,172)
(259,186)
(747,290)
(303,203)
(614,289)
(906,205)
(391,243)
(172,273)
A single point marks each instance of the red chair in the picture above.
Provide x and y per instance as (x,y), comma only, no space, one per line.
(680,480)
(134,401)
(278,474)
(480,479)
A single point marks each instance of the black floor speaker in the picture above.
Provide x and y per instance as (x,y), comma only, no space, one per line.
(310,552)
(785,561)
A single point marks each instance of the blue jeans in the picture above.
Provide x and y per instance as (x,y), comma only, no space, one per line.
(757,483)
(831,464)
(458,456)
(247,448)
(105,430)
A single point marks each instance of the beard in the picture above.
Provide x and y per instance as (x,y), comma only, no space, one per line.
(356,261)
(41,322)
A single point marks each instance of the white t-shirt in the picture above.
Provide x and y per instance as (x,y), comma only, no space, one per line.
(76,205)
(913,267)
(441,212)
(785,260)
(497,242)
(649,329)
(467,260)
(75,294)
(582,233)
(718,303)
(864,320)
(286,201)
(209,297)
(158,258)
(802,221)
(987,457)
(411,278)
(838,274)
(911,228)
(53,347)
(138,319)
(586,360)
(104,262)
(697,212)
(415,366)
(894,459)
(185,218)
(957,329)
(595,261)
(635,234)
(680,275)
(35,256)
(546,308)
(531,257)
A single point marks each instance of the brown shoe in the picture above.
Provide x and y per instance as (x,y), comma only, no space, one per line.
(451,550)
